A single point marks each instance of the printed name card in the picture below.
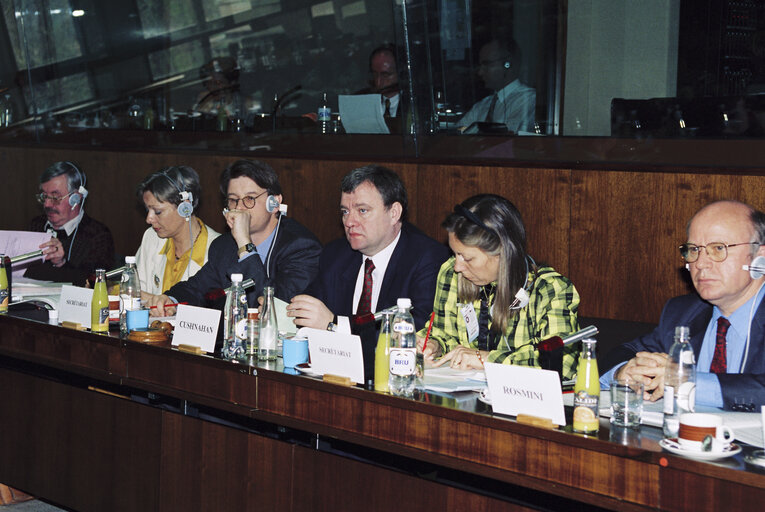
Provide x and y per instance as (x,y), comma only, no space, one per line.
(335,353)
(196,326)
(74,305)
(522,390)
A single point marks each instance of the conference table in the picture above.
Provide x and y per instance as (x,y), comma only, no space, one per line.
(93,422)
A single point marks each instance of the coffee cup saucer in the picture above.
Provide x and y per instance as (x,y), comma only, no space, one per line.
(672,446)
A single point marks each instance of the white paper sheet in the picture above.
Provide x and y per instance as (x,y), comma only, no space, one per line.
(15,243)
(361,113)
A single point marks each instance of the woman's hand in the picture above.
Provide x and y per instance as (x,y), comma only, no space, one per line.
(464,358)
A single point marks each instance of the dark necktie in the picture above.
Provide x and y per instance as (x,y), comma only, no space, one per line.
(387,108)
(719,360)
(492,105)
(483,319)
(365,301)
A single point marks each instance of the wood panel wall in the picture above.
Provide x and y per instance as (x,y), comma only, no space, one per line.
(613,232)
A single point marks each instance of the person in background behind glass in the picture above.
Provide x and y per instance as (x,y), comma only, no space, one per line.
(80,244)
(175,247)
(513,103)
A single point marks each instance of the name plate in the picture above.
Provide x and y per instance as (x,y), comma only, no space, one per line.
(74,305)
(196,326)
(522,390)
(335,353)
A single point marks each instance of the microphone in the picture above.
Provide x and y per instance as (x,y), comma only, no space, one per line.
(374,317)
(756,268)
(280,98)
(217,293)
(557,342)
(21,258)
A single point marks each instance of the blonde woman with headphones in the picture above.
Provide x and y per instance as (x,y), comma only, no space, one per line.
(493,302)
(176,245)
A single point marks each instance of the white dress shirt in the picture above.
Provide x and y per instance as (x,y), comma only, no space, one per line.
(515,108)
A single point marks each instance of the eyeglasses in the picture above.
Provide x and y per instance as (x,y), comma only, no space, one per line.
(42,197)
(717,251)
(247,201)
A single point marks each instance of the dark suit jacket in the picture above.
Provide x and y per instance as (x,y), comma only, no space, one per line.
(92,248)
(744,391)
(292,266)
(411,272)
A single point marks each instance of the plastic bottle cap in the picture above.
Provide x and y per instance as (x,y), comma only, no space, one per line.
(236,278)
(52,316)
(404,303)
(129,259)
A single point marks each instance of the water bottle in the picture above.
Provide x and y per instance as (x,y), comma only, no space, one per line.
(235,320)
(679,381)
(269,330)
(324,115)
(403,351)
(6,111)
(130,292)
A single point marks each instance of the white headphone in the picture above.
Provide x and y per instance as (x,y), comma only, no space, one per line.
(272,204)
(522,296)
(79,196)
(186,206)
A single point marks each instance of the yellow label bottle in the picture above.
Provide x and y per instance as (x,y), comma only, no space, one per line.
(99,306)
(587,390)
(382,355)
(4,292)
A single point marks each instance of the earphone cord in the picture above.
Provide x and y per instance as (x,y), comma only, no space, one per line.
(271,248)
(191,249)
(749,329)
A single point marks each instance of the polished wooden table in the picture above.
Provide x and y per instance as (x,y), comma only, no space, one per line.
(96,423)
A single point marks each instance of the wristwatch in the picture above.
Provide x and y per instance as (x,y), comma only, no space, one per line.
(247,248)
(332,326)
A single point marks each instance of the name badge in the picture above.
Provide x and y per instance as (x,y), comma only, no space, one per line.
(522,390)
(335,353)
(471,321)
(74,305)
(196,326)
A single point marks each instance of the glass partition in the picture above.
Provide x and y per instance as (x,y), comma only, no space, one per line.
(426,71)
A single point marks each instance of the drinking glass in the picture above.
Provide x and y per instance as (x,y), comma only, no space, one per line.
(626,402)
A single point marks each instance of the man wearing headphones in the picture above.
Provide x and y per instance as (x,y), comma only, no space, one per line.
(263,245)
(79,244)
(726,315)
(513,103)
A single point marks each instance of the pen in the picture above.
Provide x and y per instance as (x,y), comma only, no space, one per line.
(427,334)
(169,305)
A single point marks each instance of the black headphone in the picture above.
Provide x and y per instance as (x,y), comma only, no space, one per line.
(522,295)
(186,206)
(78,197)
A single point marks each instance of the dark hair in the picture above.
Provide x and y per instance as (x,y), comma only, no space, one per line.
(494,225)
(74,176)
(510,50)
(387,183)
(758,221)
(168,183)
(259,172)
(383,48)
(225,66)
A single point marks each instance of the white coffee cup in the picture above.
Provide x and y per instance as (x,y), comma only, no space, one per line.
(694,427)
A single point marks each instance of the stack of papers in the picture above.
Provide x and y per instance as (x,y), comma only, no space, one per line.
(450,380)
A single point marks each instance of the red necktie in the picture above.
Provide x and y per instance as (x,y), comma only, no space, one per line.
(719,360)
(365,301)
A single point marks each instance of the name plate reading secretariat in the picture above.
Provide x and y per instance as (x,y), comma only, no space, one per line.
(335,353)
(196,326)
(522,390)
(74,305)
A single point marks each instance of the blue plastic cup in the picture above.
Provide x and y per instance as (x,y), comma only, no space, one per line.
(137,319)
(294,351)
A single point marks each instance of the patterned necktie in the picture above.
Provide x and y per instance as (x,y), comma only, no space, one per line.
(719,360)
(484,343)
(365,301)
(490,113)
(387,108)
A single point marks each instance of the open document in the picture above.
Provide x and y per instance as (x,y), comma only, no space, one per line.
(361,113)
(450,380)
(16,243)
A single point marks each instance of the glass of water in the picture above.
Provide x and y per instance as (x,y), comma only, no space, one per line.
(626,402)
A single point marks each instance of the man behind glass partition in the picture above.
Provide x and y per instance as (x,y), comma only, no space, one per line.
(383,80)
(726,315)
(512,103)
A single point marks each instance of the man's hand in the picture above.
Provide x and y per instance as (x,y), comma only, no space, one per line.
(53,251)
(159,301)
(309,312)
(239,223)
(648,368)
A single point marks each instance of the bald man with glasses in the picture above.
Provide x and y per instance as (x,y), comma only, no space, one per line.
(726,315)
(263,245)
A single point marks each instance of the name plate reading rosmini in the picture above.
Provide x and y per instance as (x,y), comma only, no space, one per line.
(518,390)
(196,326)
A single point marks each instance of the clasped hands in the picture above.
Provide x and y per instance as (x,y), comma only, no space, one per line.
(648,368)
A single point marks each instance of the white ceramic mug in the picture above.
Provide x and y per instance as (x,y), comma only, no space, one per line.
(694,427)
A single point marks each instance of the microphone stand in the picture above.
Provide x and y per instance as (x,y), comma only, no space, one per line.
(278,100)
